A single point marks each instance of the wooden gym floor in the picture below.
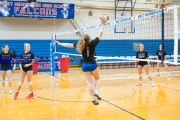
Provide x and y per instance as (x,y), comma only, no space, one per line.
(66,97)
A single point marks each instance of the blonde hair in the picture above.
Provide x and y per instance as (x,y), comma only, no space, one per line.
(141,44)
(25,44)
(82,43)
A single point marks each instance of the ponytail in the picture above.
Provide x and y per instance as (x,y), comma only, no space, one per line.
(82,43)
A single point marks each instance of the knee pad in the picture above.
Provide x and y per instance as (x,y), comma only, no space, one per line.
(140,75)
(2,81)
(157,67)
(29,83)
(20,83)
(148,75)
(166,66)
(98,80)
(90,84)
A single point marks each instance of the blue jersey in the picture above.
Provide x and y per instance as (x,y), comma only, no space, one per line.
(5,60)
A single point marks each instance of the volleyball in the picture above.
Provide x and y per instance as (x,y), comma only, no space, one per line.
(104,17)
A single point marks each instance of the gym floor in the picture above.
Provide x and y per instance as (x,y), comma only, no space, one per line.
(66,97)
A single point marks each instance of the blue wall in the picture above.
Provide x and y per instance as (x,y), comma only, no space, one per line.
(39,47)
(125,47)
(104,48)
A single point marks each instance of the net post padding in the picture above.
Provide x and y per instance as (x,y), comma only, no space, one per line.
(52,71)
(176,35)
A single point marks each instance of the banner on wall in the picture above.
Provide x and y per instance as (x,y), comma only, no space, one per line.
(36,9)
(45,65)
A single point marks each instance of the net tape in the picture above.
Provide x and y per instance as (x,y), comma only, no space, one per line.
(119,58)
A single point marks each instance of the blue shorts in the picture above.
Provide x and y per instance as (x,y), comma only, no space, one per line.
(6,69)
(88,67)
(12,66)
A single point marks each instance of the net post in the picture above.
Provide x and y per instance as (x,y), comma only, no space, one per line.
(52,57)
(51,60)
(162,34)
(176,35)
(54,41)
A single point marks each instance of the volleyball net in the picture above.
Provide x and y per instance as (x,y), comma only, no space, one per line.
(122,38)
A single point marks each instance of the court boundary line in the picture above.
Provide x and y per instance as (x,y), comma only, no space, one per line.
(143,82)
(123,109)
(62,100)
(107,100)
(91,101)
(58,78)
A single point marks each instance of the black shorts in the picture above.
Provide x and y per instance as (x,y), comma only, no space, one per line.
(27,69)
(143,64)
(160,59)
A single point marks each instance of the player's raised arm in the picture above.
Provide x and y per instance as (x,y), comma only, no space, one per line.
(104,18)
(68,45)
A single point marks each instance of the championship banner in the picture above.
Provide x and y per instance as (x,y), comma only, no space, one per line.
(36,9)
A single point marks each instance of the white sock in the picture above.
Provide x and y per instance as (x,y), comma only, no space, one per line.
(93,98)
(96,91)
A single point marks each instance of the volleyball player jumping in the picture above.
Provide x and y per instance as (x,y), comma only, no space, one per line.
(86,47)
